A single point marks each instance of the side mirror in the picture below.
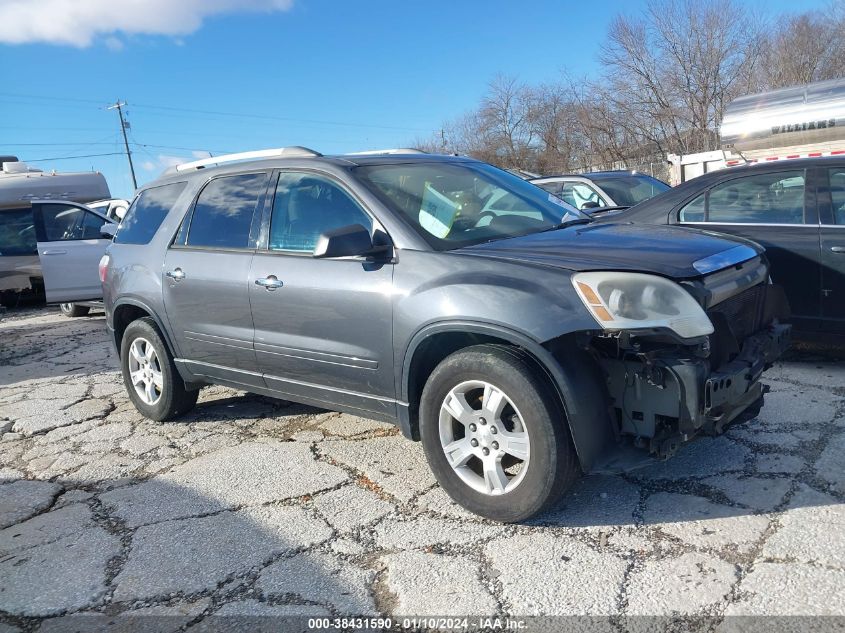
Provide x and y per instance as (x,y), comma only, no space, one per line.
(347,241)
(590,205)
(108,230)
(120,213)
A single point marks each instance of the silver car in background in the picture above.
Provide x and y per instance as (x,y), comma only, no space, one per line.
(602,189)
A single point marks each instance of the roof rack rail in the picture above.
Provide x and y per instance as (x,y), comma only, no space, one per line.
(294,150)
(397,150)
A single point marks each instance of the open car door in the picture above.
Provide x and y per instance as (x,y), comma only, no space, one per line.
(71,240)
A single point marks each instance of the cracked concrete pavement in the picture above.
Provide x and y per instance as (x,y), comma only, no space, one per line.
(254,506)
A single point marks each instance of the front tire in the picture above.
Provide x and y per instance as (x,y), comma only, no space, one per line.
(73,310)
(494,433)
(150,375)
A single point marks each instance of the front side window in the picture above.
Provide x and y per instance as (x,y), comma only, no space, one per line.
(694,211)
(64,223)
(580,195)
(17,232)
(454,204)
(306,205)
(222,216)
(760,199)
(147,212)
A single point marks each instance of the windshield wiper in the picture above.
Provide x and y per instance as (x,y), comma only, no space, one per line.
(562,225)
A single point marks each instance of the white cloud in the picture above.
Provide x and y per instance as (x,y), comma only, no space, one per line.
(163,161)
(113,43)
(78,22)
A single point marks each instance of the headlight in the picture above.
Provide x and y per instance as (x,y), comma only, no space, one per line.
(628,301)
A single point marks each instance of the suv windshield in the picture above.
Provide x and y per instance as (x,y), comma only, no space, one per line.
(627,191)
(459,204)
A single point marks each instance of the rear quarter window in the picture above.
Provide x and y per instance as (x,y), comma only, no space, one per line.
(147,212)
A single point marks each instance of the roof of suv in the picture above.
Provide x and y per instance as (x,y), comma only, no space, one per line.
(339,160)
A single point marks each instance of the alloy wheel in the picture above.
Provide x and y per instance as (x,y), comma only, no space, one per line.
(484,437)
(145,371)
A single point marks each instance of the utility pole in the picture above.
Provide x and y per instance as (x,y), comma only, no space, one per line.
(123,125)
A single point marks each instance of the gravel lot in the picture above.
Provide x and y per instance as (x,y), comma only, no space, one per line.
(255,506)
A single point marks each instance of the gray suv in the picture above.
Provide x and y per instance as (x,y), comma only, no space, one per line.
(520,342)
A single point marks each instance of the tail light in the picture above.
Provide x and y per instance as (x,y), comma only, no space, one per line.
(104,266)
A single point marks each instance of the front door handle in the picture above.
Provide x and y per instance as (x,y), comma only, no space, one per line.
(838,249)
(54,252)
(270,282)
(176,275)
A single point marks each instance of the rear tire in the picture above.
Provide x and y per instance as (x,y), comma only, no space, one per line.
(150,375)
(9,298)
(510,452)
(73,310)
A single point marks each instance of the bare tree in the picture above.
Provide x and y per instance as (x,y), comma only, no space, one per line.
(560,142)
(667,76)
(804,48)
(670,73)
(505,119)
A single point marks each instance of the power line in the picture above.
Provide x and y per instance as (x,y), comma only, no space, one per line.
(41,160)
(240,115)
(71,143)
(49,97)
(187,149)
(52,129)
(269,117)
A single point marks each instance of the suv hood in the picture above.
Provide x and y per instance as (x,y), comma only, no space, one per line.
(677,252)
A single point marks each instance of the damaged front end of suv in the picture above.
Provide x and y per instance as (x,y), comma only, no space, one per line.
(681,359)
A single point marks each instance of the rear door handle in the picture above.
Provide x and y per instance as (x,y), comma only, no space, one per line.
(176,275)
(838,249)
(271,282)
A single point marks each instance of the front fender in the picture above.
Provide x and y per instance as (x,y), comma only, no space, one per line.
(526,305)
(576,380)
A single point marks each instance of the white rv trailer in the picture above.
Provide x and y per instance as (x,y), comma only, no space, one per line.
(20,182)
(20,185)
(800,122)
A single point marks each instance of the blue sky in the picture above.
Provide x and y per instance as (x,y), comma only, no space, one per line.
(332,75)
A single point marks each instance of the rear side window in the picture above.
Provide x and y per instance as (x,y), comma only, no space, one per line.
(147,212)
(17,232)
(222,217)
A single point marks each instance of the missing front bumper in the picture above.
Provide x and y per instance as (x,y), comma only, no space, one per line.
(669,398)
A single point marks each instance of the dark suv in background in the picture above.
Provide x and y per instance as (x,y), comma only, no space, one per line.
(519,344)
